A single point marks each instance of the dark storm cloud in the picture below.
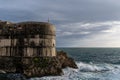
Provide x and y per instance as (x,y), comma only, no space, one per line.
(18,15)
(88,10)
(65,10)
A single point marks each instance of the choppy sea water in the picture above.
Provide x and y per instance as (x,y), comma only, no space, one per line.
(93,64)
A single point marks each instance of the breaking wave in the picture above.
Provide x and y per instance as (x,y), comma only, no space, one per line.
(84,67)
(88,71)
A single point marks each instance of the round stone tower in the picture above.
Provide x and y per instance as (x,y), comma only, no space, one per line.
(36,39)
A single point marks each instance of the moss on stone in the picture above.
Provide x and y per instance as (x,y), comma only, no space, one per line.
(41,62)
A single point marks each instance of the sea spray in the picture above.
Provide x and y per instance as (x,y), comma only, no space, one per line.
(88,71)
(105,60)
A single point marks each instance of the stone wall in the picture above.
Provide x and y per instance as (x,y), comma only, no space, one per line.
(27,39)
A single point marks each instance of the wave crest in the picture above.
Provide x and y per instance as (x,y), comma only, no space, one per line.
(88,71)
(85,67)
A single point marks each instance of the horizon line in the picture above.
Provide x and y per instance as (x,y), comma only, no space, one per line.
(87,47)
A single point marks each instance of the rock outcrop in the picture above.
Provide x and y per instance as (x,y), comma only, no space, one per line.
(39,66)
(49,66)
(65,61)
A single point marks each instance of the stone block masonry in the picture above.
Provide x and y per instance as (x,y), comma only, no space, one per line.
(27,39)
(29,48)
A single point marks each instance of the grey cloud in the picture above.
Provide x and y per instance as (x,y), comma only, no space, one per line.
(71,34)
(18,15)
(64,12)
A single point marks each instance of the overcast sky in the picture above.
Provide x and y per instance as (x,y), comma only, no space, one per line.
(79,23)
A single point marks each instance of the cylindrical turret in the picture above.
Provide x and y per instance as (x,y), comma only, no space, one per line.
(28,39)
(39,38)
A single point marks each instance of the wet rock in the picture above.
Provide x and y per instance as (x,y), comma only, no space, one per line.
(1,71)
(12,76)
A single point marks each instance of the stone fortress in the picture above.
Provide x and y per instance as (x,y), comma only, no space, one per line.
(27,39)
(29,48)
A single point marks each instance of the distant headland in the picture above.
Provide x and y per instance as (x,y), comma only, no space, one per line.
(29,48)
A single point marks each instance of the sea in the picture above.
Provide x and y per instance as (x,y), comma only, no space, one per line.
(93,64)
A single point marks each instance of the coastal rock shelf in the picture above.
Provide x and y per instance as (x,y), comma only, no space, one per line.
(38,66)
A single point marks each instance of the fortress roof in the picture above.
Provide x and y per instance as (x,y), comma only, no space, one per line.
(35,22)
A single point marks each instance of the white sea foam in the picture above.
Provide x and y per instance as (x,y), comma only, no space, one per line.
(84,67)
(87,71)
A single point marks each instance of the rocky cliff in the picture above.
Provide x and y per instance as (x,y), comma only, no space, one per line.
(38,66)
(49,66)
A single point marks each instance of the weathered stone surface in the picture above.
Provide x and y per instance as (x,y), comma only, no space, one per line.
(38,66)
(43,67)
(27,39)
(65,60)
